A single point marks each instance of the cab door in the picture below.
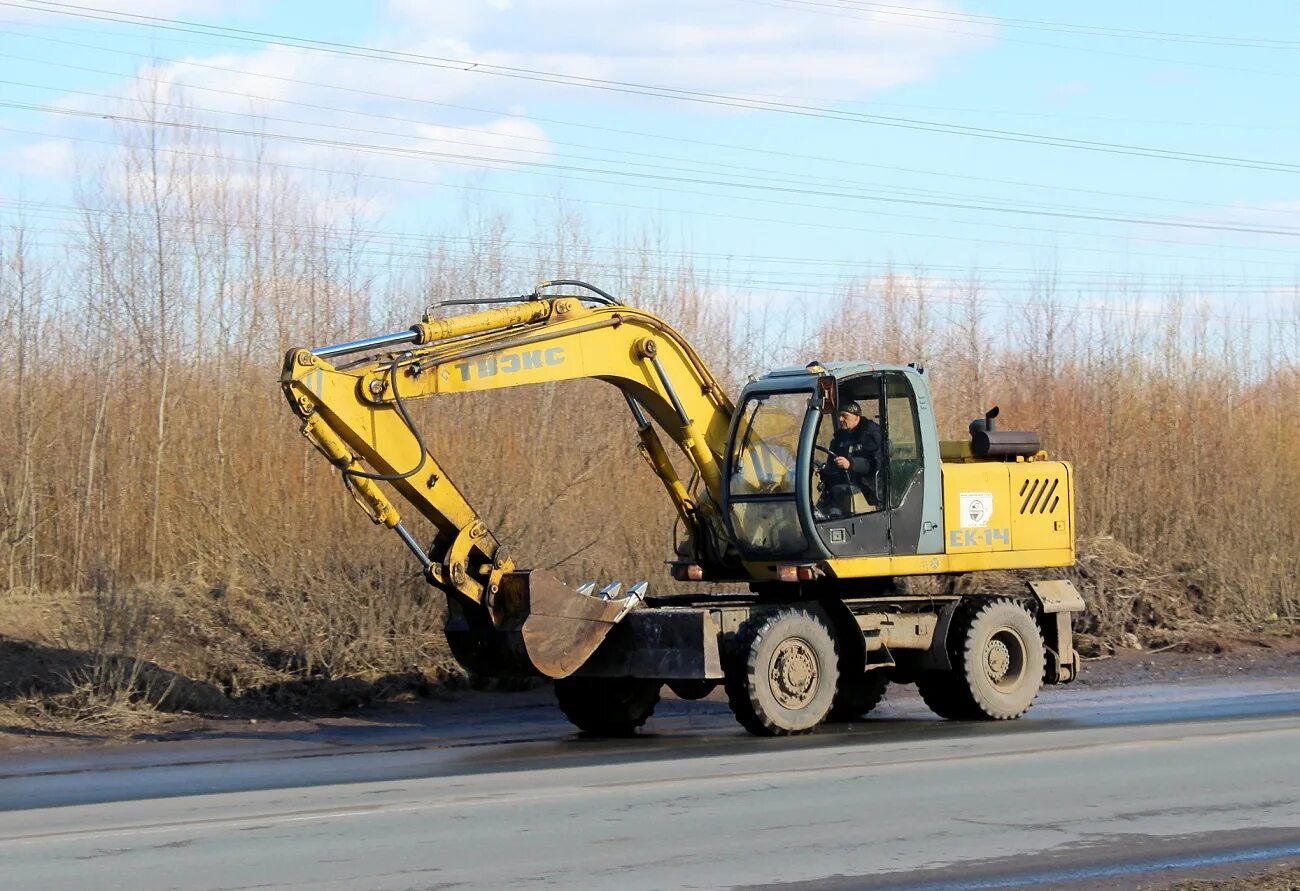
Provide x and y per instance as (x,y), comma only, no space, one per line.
(763,478)
(851,518)
(886,515)
(904,465)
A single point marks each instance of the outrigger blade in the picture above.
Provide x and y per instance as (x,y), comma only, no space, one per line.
(562,627)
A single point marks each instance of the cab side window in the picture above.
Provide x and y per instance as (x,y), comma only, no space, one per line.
(849,462)
(902,438)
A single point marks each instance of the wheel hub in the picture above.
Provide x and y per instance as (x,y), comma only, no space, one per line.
(794,674)
(998,659)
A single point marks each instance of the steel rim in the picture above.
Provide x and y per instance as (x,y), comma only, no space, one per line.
(1005,659)
(793,675)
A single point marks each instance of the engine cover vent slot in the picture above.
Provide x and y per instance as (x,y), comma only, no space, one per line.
(1038,496)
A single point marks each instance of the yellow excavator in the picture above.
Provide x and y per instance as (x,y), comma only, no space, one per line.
(804,509)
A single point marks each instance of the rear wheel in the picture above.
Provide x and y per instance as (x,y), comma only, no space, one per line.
(858,694)
(607,706)
(999,661)
(944,692)
(783,674)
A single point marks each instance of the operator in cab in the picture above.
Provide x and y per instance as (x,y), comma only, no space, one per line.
(850,473)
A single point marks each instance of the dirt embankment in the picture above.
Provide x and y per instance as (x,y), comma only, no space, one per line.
(109,662)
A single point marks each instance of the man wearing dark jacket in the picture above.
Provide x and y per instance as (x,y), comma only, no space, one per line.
(852,466)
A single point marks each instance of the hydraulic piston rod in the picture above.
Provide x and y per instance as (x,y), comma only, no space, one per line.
(369,343)
(409,540)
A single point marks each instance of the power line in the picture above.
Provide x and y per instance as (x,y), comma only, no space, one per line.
(663,92)
(636,133)
(715,215)
(764,173)
(848,287)
(772,281)
(23,30)
(470,160)
(77,213)
(927,196)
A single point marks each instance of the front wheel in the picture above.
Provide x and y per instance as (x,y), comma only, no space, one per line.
(607,706)
(783,674)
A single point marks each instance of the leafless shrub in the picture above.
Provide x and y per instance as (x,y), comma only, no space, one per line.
(148,448)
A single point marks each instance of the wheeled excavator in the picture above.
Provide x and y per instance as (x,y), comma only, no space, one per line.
(802,612)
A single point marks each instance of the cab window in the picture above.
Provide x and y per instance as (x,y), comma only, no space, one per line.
(854,435)
(767,444)
(763,464)
(903,438)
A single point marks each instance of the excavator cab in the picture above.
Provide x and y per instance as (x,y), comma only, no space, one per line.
(787,497)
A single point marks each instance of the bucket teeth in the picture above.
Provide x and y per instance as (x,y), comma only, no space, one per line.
(611,591)
(634,598)
(587,588)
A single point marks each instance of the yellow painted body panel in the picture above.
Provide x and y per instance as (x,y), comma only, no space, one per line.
(976,508)
(1018,506)
(927,564)
(1017,515)
(1042,502)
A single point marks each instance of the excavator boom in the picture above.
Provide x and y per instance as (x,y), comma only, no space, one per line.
(355,413)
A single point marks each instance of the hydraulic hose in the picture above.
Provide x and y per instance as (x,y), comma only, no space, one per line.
(410,425)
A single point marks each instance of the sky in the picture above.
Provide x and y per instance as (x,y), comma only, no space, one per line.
(786,146)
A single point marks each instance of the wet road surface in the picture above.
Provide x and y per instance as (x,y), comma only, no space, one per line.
(1095,788)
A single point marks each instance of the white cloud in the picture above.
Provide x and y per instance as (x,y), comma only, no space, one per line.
(231,82)
(727,46)
(754,49)
(52,158)
(500,141)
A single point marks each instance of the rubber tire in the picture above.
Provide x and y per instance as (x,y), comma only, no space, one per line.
(858,695)
(945,693)
(968,693)
(748,680)
(607,706)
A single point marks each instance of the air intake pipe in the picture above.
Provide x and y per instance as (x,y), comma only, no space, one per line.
(986,441)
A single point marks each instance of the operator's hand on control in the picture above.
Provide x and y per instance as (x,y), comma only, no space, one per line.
(841,462)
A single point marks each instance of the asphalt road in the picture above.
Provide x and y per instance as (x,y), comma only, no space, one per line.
(1096,788)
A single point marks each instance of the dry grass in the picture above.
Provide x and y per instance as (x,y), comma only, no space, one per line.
(111,660)
(161,518)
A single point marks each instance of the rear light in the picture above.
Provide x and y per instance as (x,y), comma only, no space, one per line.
(791,572)
(688,572)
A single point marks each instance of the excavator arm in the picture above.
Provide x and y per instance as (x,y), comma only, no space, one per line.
(355,413)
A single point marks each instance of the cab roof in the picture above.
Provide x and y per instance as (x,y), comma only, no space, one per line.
(791,375)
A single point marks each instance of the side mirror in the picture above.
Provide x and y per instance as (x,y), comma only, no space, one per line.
(828,394)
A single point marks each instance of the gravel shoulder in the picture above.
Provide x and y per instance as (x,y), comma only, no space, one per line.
(1236,655)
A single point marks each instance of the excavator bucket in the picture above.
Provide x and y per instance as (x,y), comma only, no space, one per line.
(561,627)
